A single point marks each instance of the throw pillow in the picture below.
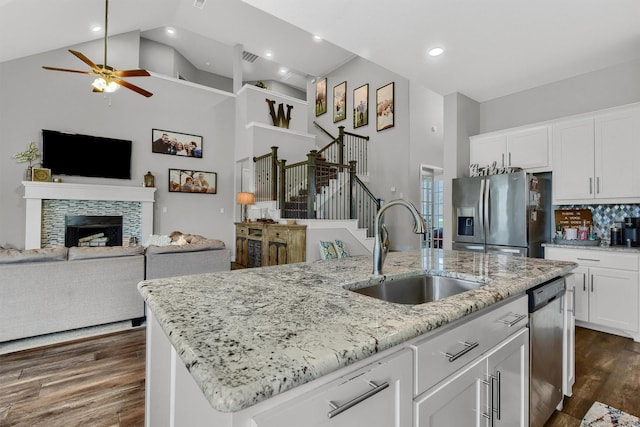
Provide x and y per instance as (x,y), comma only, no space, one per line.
(340,249)
(327,250)
(157,240)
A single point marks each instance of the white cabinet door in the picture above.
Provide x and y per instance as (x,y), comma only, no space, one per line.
(390,407)
(613,300)
(528,149)
(579,280)
(460,401)
(617,155)
(569,337)
(485,150)
(508,370)
(573,160)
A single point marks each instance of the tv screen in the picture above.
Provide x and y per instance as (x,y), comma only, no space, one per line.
(85,155)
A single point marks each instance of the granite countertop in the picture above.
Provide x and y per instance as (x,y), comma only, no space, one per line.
(602,247)
(248,335)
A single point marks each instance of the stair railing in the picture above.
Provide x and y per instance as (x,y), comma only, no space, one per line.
(266,176)
(345,147)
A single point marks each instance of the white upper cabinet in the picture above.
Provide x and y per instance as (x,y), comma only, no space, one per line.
(526,148)
(597,158)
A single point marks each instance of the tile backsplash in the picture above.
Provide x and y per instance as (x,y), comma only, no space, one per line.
(605,215)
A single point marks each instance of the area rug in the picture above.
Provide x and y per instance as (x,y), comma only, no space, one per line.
(601,415)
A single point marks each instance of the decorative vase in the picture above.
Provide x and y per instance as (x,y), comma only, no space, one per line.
(28,175)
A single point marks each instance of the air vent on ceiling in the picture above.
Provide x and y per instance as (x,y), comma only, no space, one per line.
(199,3)
(249,57)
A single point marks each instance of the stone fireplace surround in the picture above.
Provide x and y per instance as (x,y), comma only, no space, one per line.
(37,192)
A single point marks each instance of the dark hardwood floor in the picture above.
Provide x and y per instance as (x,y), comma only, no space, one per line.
(93,382)
(607,371)
(99,381)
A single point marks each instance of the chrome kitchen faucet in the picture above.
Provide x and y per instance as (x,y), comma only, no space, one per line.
(381,242)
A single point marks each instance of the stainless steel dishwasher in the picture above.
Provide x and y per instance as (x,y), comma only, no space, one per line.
(545,347)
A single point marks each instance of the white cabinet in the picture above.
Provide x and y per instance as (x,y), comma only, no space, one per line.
(526,148)
(380,395)
(569,334)
(597,157)
(493,390)
(606,288)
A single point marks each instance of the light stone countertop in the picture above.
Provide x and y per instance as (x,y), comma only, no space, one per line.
(604,247)
(247,335)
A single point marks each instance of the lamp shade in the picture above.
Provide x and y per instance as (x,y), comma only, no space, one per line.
(246,198)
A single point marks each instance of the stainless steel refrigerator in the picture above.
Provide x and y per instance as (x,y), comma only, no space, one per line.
(505,213)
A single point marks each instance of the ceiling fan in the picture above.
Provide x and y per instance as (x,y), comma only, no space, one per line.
(108,77)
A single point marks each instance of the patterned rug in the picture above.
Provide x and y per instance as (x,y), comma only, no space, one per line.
(601,415)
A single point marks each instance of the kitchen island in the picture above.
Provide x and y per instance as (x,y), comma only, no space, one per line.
(249,336)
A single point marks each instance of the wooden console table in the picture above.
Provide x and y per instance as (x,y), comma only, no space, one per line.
(259,244)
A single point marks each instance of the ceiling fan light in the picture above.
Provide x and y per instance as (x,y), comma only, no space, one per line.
(101,85)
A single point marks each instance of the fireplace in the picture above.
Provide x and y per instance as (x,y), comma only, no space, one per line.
(85,230)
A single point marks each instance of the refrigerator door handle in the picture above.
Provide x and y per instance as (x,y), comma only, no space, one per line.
(481,202)
(487,206)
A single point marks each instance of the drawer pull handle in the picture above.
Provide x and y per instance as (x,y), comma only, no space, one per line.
(467,348)
(518,317)
(588,259)
(337,410)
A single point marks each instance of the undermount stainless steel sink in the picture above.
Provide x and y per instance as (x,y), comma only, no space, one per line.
(418,289)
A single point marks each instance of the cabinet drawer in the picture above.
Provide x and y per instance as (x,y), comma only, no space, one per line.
(390,406)
(439,356)
(282,234)
(595,258)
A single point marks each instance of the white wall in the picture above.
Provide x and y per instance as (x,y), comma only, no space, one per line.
(593,91)
(395,154)
(33,99)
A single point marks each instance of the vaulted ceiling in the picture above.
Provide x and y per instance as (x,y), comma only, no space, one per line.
(492,47)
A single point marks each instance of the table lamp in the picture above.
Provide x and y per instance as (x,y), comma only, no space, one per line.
(245,199)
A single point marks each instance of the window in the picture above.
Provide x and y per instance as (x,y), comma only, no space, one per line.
(432,205)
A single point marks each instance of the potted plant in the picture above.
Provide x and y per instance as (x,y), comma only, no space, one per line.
(29,155)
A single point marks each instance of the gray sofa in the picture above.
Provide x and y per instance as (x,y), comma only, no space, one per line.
(58,289)
(51,290)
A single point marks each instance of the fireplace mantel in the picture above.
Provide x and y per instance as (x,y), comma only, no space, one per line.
(35,192)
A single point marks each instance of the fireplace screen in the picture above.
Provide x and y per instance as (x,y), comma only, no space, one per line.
(82,230)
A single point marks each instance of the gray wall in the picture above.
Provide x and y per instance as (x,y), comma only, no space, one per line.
(33,99)
(395,154)
(597,90)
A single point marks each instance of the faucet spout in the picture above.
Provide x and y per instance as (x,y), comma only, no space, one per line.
(381,241)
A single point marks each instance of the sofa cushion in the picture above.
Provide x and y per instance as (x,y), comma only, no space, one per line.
(10,256)
(90,252)
(200,245)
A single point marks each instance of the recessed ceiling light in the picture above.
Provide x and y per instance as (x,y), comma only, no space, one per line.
(171,30)
(283,70)
(436,51)
(268,54)
(317,38)
(96,28)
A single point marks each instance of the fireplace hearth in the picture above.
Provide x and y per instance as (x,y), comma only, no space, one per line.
(85,230)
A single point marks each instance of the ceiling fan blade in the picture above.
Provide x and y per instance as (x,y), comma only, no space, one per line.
(67,70)
(133,87)
(84,59)
(131,73)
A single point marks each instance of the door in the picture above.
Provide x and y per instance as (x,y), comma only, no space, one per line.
(459,402)
(508,370)
(616,155)
(468,210)
(506,210)
(614,298)
(579,280)
(569,338)
(573,160)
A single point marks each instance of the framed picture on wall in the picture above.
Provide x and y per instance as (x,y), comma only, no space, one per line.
(384,107)
(361,106)
(176,143)
(321,97)
(340,102)
(190,181)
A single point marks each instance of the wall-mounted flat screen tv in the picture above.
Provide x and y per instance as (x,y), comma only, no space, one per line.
(85,155)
